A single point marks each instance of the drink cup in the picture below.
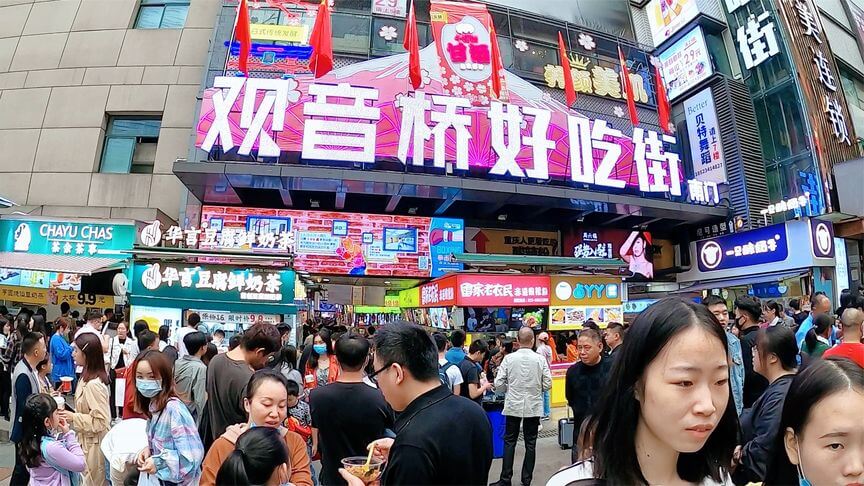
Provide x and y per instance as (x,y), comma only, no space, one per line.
(66,384)
(61,402)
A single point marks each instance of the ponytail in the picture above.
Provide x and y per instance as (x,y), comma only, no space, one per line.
(821,324)
(810,340)
(233,470)
(257,454)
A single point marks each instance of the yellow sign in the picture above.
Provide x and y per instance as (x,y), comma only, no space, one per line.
(391,301)
(409,298)
(591,291)
(508,242)
(27,295)
(283,33)
(598,81)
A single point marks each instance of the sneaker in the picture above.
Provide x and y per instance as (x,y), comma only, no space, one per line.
(546,418)
(539,427)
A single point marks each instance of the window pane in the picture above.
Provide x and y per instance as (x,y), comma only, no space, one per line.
(506,47)
(134,128)
(350,33)
(149,17)
(175,16)
(534,59)
(266,16)
(118,155)
(392,29)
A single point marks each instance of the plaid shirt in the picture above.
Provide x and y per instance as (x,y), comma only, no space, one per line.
(12,354)
(175,445)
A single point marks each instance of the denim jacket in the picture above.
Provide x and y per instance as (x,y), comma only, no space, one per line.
(736,371)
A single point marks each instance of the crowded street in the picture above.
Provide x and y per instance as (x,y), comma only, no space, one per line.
(431,242)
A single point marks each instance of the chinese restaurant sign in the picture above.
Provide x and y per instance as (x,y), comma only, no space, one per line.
(634,247)
(578,299)
(66,238)
(486,290)
(822,236)
(511,242)
(348,243)
(754,247)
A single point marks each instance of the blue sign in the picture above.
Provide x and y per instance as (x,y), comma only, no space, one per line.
(822,236)
(445,239)
(754,247)
(768,290)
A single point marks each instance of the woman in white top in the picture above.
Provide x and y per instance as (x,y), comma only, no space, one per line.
(122,351)
(670,384)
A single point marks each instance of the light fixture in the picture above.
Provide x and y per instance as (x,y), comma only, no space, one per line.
(386,282)
(412,211)
(314,203)
(325,280)
(502,217)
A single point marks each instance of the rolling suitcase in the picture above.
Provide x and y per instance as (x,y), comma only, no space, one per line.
(565,431)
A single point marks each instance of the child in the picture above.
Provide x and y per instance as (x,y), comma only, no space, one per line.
(300,420)
(48,448)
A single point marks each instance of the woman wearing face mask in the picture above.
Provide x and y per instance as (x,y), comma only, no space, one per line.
(666,416)
(175,451)
(821,439)
(91,418)
(49,449)
(322,367)
(259,458)
(266,403)
(775,359)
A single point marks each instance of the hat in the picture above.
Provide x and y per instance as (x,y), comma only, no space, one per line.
(543,336)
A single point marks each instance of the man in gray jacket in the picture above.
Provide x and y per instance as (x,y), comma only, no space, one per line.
(524,375)
(190,374)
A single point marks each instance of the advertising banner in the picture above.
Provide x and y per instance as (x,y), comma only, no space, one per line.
(156,317)
(666,17)
(281,33)
(634,247)
(704,134)
(40,280)
(352,243)
(585,291)
(27,295)
(409,298)
(486,290)
(754,247)
(685,63)
(83,239)
(511,242)
(236,317)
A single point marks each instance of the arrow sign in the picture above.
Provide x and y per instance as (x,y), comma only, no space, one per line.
(480,241)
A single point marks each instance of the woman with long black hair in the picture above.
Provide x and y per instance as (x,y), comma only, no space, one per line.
(666,415)
(322,367)
(259,457)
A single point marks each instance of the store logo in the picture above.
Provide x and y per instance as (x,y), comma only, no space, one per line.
(563,290)
(22,237)
(151,235)
(151,278)
(823,239)
(468,48)
(711,255)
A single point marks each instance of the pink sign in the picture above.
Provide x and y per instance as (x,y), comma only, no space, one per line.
(468,290)
(366,113)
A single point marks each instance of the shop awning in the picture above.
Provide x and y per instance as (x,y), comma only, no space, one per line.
(59,263)
(487,260)
(213,305)
(739,281)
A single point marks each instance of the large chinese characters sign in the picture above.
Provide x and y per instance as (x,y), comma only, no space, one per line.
(364,113)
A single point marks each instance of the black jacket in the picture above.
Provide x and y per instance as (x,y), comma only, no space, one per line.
(583,386)
(759,427)
(754,383)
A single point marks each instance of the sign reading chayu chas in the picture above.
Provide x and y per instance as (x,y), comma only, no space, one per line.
(365,113)
(88,239)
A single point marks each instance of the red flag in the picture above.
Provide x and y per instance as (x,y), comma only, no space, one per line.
(412,45)
(628,87)
(321,41)
(497,64)
(663,110)
(569,90)
(243,36)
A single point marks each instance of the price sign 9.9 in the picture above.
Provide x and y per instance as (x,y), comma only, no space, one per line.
(86,299)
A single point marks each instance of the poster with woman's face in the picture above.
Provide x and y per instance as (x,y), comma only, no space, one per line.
(634,247)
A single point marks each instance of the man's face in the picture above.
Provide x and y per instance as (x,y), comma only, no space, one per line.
(589,350)
(720,312)
(612,338)
(40,350)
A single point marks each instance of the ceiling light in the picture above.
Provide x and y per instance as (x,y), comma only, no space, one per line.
(412,210)
(314,203)
(325,280)
(386,282)
(502,217)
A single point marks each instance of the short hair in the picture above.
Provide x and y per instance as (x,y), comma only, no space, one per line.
(109,311)
(93,316)
(478,346)
(164,330)
(457,338)
(64,307)
(219,332)
(616,326)
(292,388)
(817,297)
(749,305)
(75,314)
(713,300)
(140,325)
(795,304)
(146,338)
(262,335)
(440,341)
(193,320)
(591,334)
(194,341)
(234,341)
(411,347)
(30,341)
(370,330)
(352,350)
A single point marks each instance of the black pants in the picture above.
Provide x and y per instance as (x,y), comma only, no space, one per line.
(5,391)
(511,436)
(20,475)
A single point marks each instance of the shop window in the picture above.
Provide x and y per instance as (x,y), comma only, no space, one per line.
(853,87)
(162,14)
(531,29)
(130,145)
(534,58)
(351,33)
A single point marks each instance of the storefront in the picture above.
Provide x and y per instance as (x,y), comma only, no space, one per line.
(45,262)
(780,262)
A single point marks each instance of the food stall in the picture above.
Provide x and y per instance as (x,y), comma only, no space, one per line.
(575,300)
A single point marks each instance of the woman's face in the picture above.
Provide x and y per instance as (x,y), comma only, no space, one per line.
(769,314)
(269,406)
(639,247)
(7,328)
(317,340)
(144,371)
(121,331)
(685,390)
(78,356)
(832,441)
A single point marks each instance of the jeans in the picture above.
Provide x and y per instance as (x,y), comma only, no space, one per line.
(547,403)
(511,436)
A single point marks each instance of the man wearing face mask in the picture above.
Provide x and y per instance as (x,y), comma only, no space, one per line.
(347,414)
(748,309)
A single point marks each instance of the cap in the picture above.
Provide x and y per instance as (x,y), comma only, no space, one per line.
(543,336)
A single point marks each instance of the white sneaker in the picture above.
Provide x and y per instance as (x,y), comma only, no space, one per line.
(539,427)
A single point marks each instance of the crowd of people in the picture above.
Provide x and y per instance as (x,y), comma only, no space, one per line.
(687,393)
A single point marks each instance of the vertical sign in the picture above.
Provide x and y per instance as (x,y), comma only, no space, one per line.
(704,135)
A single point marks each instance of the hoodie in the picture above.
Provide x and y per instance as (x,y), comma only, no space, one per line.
(455,355)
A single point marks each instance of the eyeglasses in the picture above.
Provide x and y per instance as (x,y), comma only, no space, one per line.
(373,377)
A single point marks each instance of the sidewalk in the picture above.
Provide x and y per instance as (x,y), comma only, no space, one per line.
(7,456)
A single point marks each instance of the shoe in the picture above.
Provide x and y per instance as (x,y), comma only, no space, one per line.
(546,418)
(539,427)
(501,483)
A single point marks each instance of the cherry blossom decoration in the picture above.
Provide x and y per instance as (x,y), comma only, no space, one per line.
(520,45)
(619,112)
(388,33)
(587,42)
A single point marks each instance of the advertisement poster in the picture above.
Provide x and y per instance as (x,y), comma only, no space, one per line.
(634,247)
(666,17)
(489,290)
(40,280)
(704,134)
(685,63)
(511,242)
(355,244)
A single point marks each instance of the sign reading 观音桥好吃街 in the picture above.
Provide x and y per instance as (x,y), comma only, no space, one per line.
(704,134)
(48,237)
(754,247)
(822,238)
(685,63)
(393,8)
(666,17)
(214,283)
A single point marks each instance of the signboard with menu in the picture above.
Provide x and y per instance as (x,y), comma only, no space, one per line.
(685,63)
(576,299)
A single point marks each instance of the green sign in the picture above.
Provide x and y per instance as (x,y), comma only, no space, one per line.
(376,309)
(214,287)
(51,237)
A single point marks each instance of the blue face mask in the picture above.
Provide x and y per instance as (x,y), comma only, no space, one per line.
(802,481)
(320,348)
(148,388)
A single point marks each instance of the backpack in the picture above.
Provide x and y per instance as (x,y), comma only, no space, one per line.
(442,374)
